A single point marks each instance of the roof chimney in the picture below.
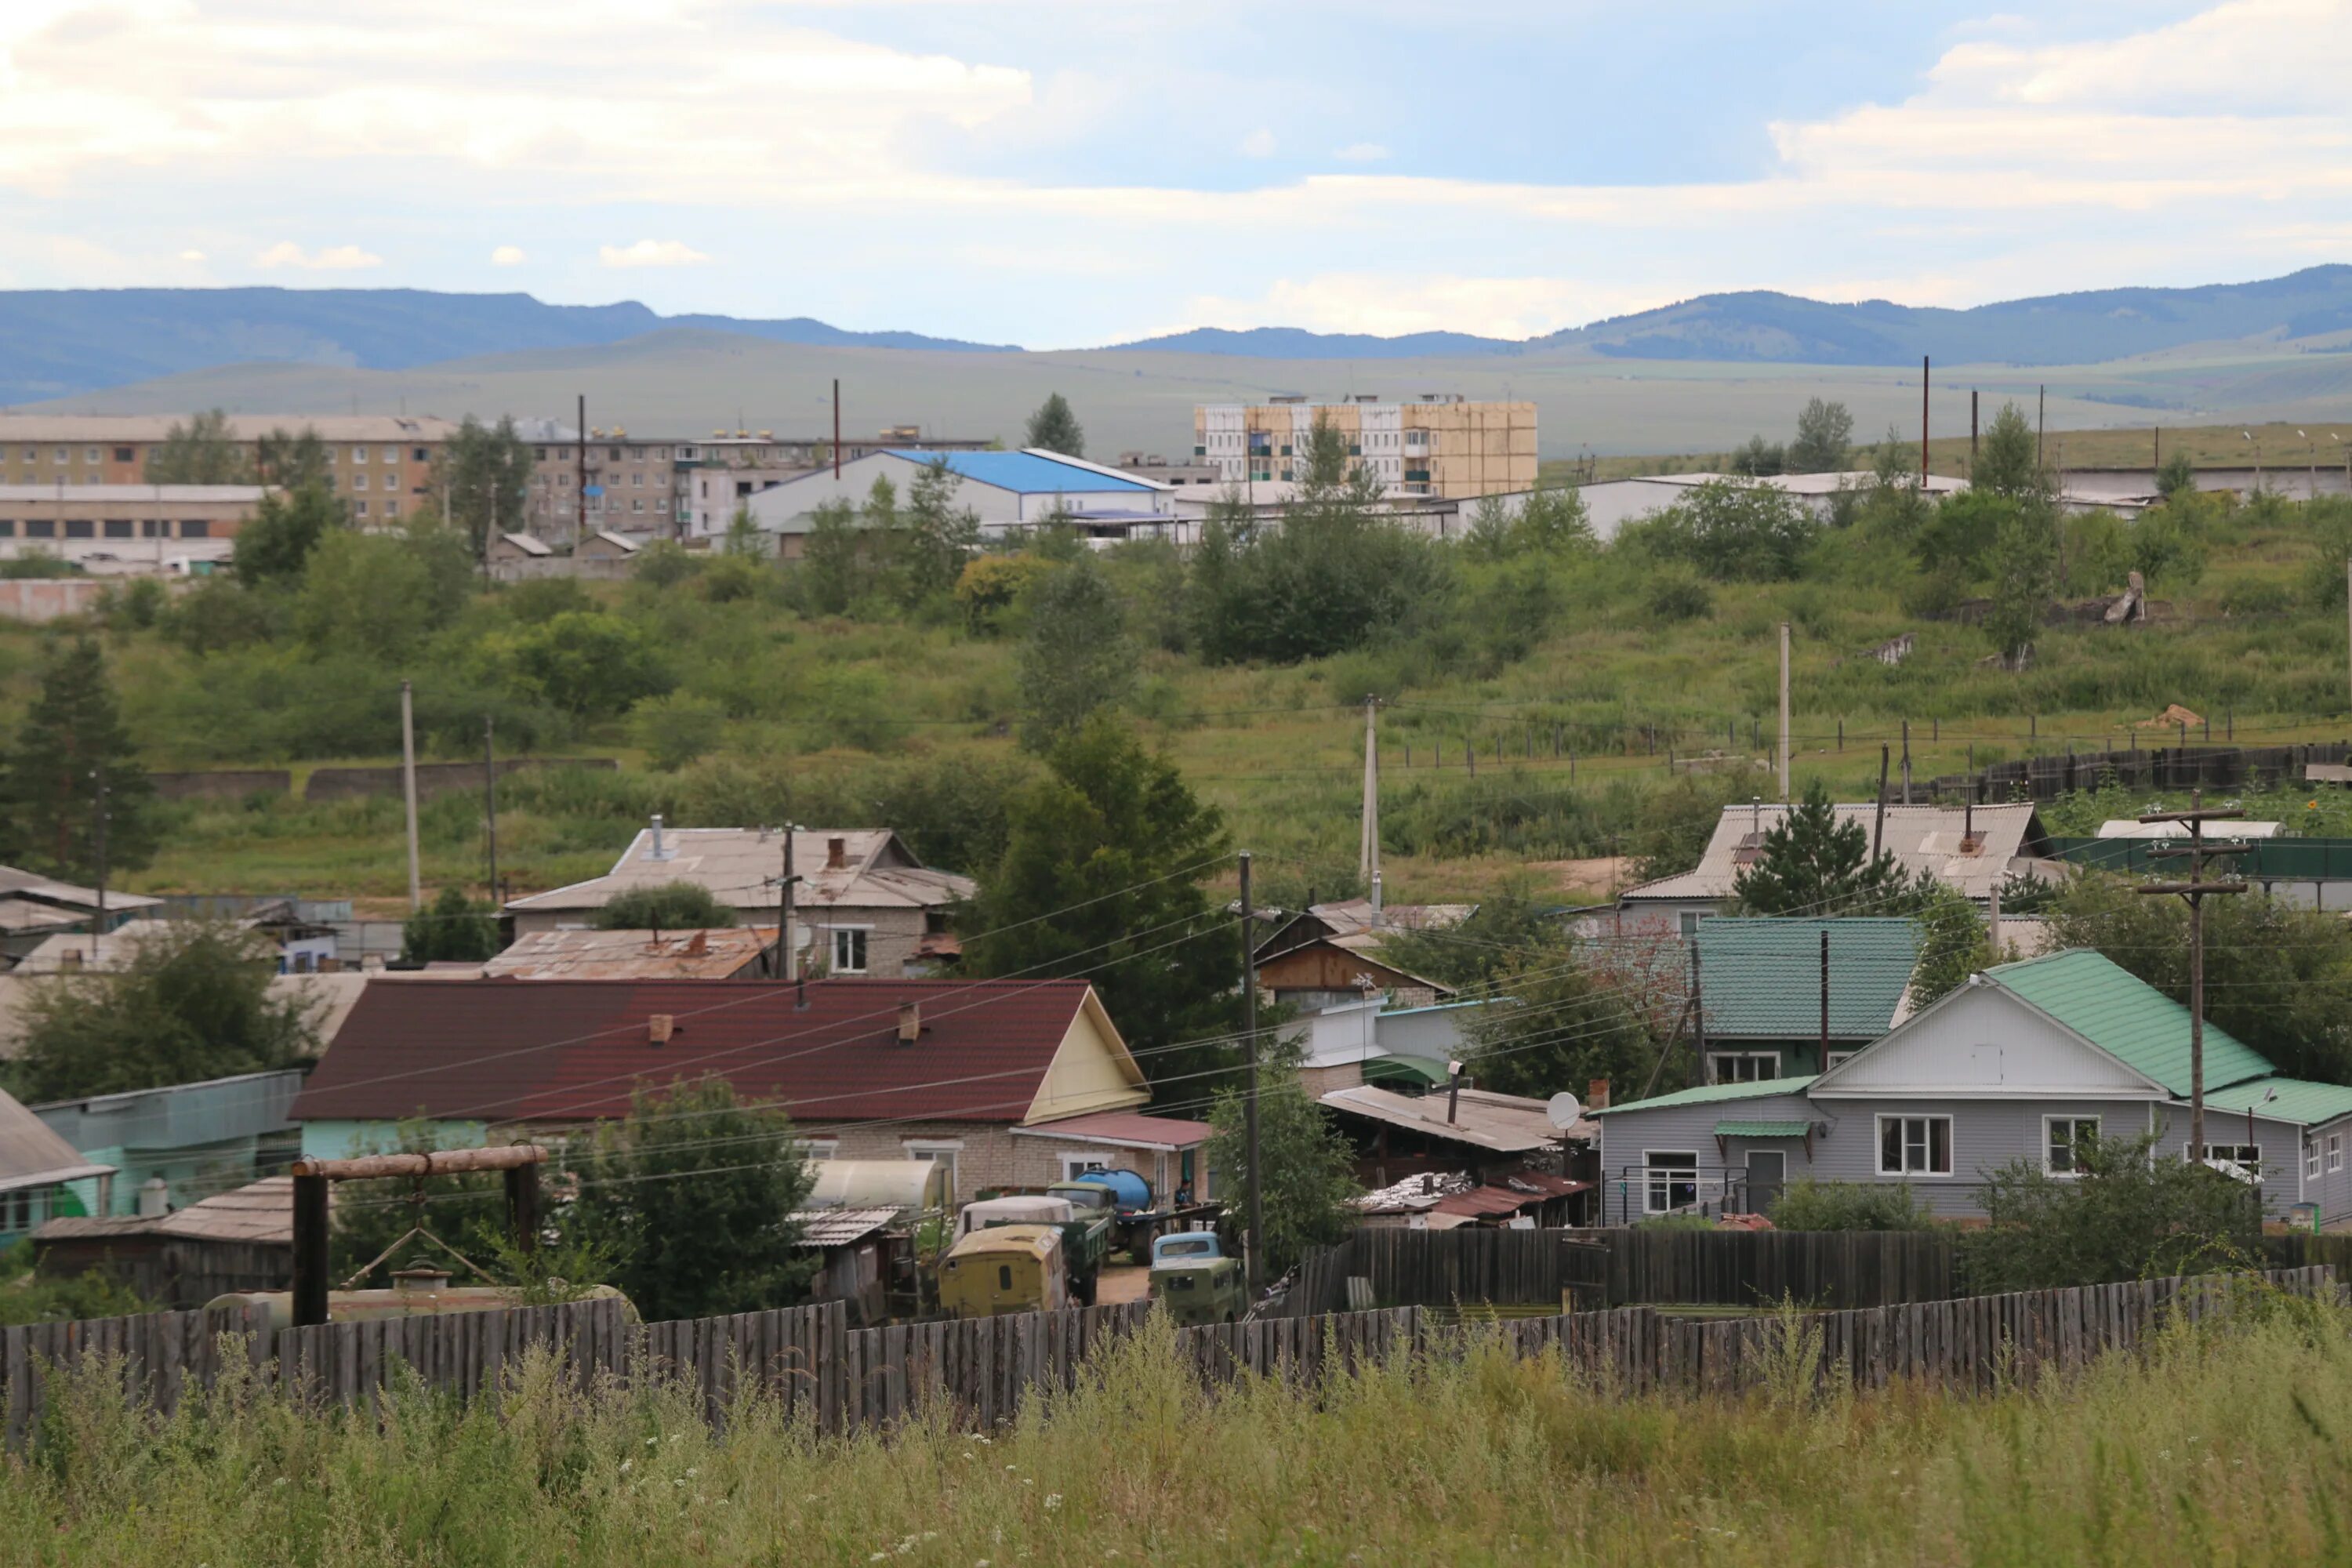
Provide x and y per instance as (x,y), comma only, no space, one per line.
(910,1022)
(659,1028)
(837,853)
(696,945)
(1596,1094)
(659,851)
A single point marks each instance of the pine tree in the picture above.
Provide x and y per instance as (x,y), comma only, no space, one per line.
(1053,428)
(72,743)
(1810,863)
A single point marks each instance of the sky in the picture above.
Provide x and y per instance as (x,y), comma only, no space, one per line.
(1064,175)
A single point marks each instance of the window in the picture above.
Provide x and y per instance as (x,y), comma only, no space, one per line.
(40,528)
(360,507)
(118,527)
(1689,921)
(820,1147)
(538,454)
(1839,1058)
(1076,1165)
(392,509)
(1004,1276)
(7,528)
(359,481)
(636,503)
(154,528)
(420,456)
(2247,1156)
(1743,1066)
(126,455)
(2063,1138)
(90,454)
(80,528)
(196,528)
(2310,1159)
(937,1153)
(1915,1145)
(391,453)
(638,479)
(359,453)
(1671,1181)
(849,950)
(2334,1151)
(60,456)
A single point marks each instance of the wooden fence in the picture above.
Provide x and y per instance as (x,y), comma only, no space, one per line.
(981,1371)
(1403,1268)
(2174,767)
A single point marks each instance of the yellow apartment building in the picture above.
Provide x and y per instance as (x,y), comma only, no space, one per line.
(382,464)
(1441,446)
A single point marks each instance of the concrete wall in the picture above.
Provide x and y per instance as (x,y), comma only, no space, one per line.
(432,778)
(48,598)
(222,784)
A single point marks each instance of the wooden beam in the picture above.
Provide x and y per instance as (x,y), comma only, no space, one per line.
(439,1163)
(310,1250)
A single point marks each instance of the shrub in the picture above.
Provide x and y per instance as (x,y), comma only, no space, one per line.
(677,730)
(2127,1213)
(672,906)
(1806,1204)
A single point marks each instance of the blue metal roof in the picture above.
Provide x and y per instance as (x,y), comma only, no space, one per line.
(1023,473)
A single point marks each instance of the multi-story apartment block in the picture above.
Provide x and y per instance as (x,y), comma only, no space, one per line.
(677,487)
(382,464)
(1445,446)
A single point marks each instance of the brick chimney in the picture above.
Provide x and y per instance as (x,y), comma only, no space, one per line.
(659,1027)
(910,1020)
(1596,1095)
(836,854)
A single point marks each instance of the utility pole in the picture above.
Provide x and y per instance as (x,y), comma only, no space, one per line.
(2197,851)
(491,801)
(2347,613)
(1972,434)
(408,788)
(1784,711)
(580,522)
(1923,424)
(2040,422)
(97,835)
(1367,850)
(1255,1251)
(788,959)
(836,427)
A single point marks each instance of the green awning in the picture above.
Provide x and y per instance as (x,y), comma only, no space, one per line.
(1762,1129)
(1414,1072)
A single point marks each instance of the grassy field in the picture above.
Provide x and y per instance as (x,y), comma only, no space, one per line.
(2223,1445)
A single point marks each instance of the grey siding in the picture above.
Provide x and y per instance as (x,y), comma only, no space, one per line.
(2332,1190)
(2282,1146)
(1626,1135)
(1986,1135)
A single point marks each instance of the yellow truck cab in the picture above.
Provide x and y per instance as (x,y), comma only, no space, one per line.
(1004,1268)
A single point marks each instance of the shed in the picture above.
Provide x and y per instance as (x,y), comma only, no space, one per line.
(237,1240)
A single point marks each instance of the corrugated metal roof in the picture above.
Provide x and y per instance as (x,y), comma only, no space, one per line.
(1762,1129)
(1125,1127)
(557,1050)
(2127,1018)
(2299,1101)
(1761,976)
(1710,1093)
(260,1212)
(739,865)
(839,1227)
(1025,473)
(1508,1123)
(633,954)
(1921,838)
(31,1155)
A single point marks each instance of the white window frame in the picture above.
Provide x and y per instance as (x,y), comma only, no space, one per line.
(1839,1060)
(2233,1152)
(816,1148)
(2074,1124)
(1076,1165)
(2334,1151)
(864,936)
(1928,1144)
(1660,1178)
(939,1150)
(2310,1159)
(1716,1060)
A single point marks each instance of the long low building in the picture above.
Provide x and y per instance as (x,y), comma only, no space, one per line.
(153,526)
(382,464)
(1007,491)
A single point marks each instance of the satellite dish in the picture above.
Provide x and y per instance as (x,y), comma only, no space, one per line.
(1563,1110)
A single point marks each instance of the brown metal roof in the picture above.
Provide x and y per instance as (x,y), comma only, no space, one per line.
(716,954)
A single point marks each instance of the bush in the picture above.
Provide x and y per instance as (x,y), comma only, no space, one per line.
(677,730)
(2128,1213)
(672,906)
(1679,596)
(1809,1204)
(1734,532)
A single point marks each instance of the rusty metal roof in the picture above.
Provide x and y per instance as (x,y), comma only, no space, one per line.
(722,953)
(840,1228)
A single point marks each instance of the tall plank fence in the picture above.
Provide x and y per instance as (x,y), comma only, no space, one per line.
(810,1364)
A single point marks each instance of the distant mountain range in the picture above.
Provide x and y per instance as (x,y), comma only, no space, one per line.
(57,343)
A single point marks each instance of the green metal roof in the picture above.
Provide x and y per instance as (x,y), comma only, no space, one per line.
(2299,1101)
(2127,1018)
(1419,1071)
(1710,1094)
(1761,976)
(1762,1129)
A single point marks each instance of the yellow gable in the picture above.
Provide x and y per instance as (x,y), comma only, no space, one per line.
(1092,1071)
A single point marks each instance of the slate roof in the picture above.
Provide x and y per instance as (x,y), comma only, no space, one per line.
(1761,976)
(2127,1018)
(1122,1127)
(1710,1093)
(260,1212)
(1920,837)
(554,1051)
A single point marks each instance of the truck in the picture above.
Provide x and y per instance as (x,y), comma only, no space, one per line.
(1126,1198)
(999,1268)
(1085,1232)
(1194,1282)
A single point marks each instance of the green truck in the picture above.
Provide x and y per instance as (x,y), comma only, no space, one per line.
(1194,1282)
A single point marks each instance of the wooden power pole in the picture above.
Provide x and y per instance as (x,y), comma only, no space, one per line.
(1255,1253)
(2197,851)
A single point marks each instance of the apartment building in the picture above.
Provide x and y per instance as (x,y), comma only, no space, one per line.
(1441,445)
(678,487)
(380,464)
(120,517)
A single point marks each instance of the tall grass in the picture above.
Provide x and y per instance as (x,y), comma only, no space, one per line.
(2221,1445)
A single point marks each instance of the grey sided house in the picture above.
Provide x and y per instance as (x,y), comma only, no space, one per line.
(1777,992)
(2021,1062)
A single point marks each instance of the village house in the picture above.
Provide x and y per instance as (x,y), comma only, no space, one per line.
(170,1146)
(2023,1062)
(37,1173)
(728,952)
(863,904)
(1004,1082)
(33,906)
(1973,848)
(1775,993)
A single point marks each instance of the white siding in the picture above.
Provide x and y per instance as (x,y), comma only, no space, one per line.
(1982,1041)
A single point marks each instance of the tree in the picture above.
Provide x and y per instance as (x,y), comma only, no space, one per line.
(382,594)
(939,535)
(833,568)
(192,1002)
(2179,474)
(1053,428)
(486,474)
(1824,434)
(1307,1171)
(1810,863)
(1736,532)
(73,741)
(1758,459)
(669,906)
(1953,943)
(694,1195)
(589,663)
(292,461)
(1100,876)
(990,586)
(275,542)
(1960,533)
(1555,1024)
(2025,570)
(2008,462)
(2126,1212)
(1076,656)
(455,929)
(203,451)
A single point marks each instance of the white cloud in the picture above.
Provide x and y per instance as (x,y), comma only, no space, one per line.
(508,256)
(192,255)
(1387,305)
(650,253)
(332,258)
(1362,152)
(1258,143)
